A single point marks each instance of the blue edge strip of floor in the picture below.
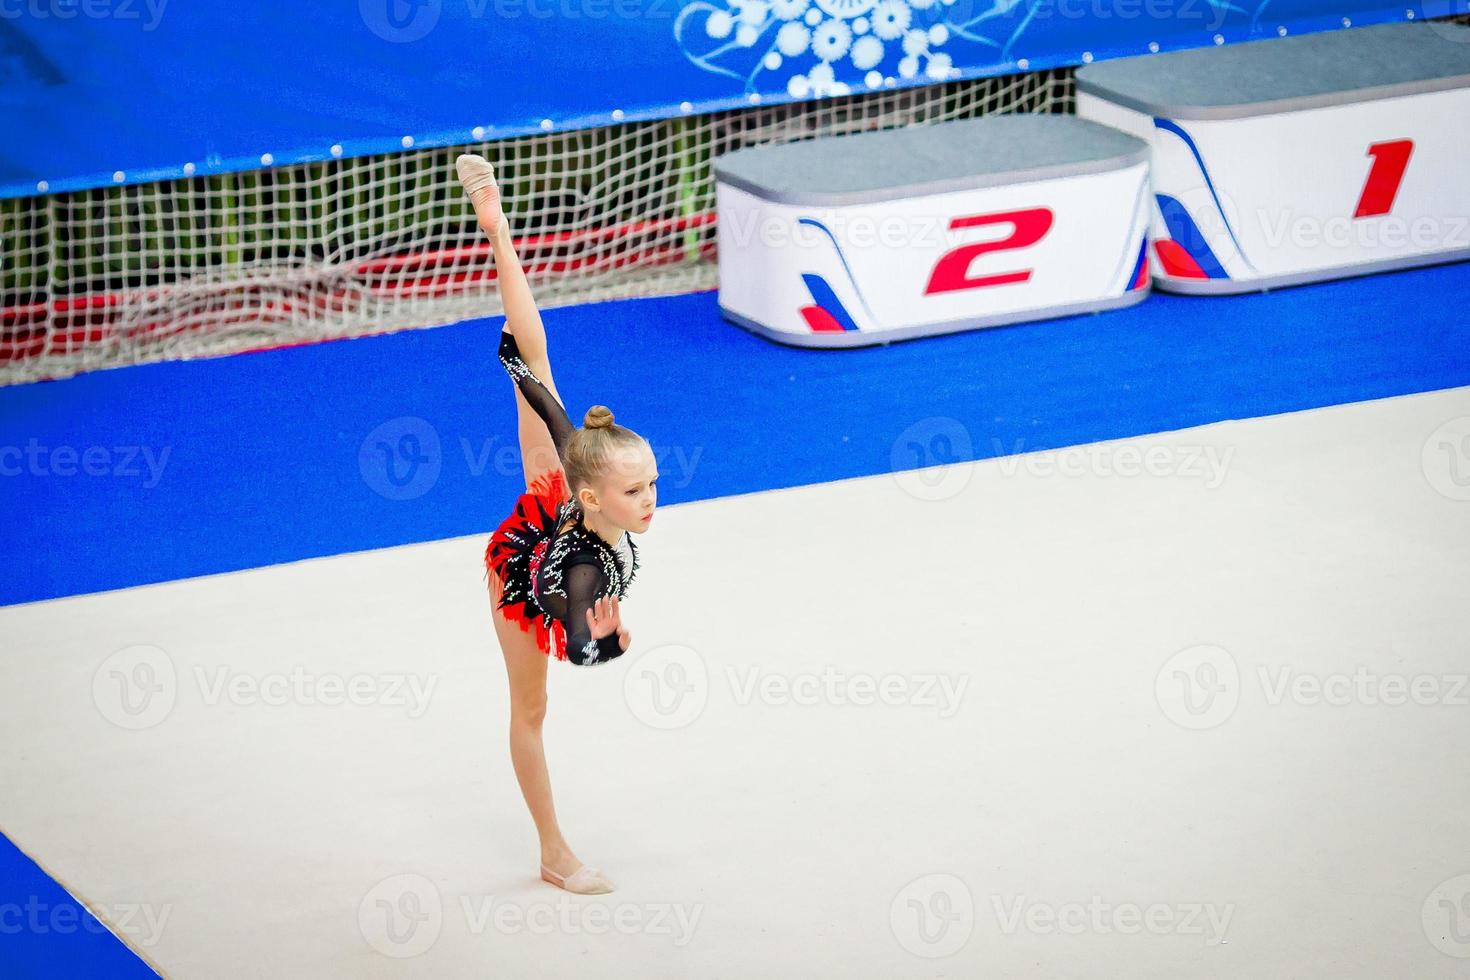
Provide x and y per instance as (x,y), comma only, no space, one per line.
(166,471)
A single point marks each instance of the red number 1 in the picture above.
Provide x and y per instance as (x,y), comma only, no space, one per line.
(1389,161)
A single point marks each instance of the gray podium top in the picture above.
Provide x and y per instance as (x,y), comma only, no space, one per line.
(882,165)
(1286,74)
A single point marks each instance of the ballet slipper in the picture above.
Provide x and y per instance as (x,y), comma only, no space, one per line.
(586,880)
(478,179)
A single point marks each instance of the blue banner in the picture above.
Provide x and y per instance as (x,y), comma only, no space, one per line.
(101,92)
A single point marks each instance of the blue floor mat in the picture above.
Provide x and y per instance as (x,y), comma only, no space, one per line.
(45,933)
(165,471)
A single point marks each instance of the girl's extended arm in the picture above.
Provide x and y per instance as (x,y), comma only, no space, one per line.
(584,582)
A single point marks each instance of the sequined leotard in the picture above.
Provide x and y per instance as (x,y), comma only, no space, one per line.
(551,577)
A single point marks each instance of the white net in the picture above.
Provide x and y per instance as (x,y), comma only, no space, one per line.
(214,265)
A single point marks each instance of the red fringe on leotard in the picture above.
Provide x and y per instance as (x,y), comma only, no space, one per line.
(514,554)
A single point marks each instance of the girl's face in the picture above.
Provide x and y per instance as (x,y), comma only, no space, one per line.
(628,492)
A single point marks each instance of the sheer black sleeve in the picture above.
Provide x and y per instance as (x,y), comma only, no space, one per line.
(537,394)
(583,582)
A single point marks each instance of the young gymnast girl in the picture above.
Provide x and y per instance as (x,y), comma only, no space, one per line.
(560,564)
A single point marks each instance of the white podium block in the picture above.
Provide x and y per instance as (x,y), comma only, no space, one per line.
(1299,159)
(862,239)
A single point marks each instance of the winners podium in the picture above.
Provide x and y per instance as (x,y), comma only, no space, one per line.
(865,238)
(1299,159)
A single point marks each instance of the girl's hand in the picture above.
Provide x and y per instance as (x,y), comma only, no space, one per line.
(605,617)
(625,639)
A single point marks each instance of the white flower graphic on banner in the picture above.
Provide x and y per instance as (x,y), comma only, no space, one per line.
(825,47)
(835,47)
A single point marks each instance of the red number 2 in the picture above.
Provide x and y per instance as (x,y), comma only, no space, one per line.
(1389,160)
(952,271)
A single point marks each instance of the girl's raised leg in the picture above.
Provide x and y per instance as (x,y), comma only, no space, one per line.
(522,319)
(478,178)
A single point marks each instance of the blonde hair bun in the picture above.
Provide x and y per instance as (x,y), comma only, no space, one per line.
(598,417)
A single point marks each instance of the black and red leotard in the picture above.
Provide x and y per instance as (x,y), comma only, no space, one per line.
(551,577)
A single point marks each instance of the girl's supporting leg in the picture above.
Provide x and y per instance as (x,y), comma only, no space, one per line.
(526,667)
